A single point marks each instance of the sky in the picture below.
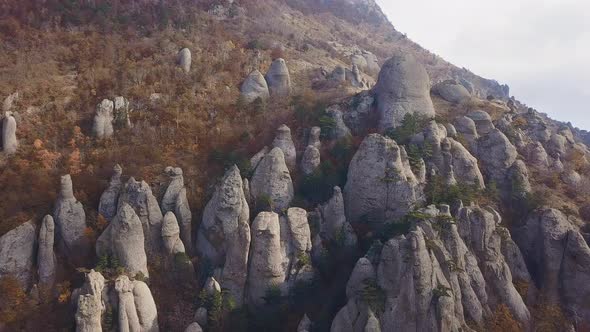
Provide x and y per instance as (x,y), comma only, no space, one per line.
(540,48)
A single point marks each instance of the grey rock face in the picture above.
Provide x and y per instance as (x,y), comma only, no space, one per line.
(278,79)
(224,233)
(145,306)
(339,130)
(122,112)
(46,260)
(265,270)
(465,167)
(254,87)
(557,145)
(558,258)
(314,137)
(139,196)
(255,160)
(107,206)
(483,122)
(356,78)
(103,120)
(185,60)
(497,155)
(124,239)
(338,75)
(194,327)
(284,142)
(366,61)
(128,318)
(402,88)
(466,128)
(201,316)
(271,180)
(311,160)
(381,185)
(175,200)
(9,141)
(70,221)
(90,304)
(299,230)
(17,253)
(334,221)
(536,155)
(171,235)
(451,91)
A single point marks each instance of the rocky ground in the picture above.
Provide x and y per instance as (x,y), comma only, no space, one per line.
(275,166)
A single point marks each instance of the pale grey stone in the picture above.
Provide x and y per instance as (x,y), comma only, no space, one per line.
(185,60)
(145,306)
(254,87)
(9,140)
(451,91)
(107,207)
(311,160)
(46,260)
(103,120)
(17,253)
(284,142)
(70,222)
(334,224)
(482,120)
(90,304)
(271,180)
(175,200)
(171,235)
(278,79)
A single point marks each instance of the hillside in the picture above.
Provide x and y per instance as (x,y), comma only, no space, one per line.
(274,165)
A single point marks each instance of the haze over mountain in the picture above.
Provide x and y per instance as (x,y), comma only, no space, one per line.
(539,48)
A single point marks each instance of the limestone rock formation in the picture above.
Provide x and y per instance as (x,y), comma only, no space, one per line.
(122,112)
(194,327)
(128,317)
(314,137)
(272,181)
(496,155)
(483,122)
(124,239)
(171,235)
(558,258)
(185,60)
(339,129)
(278,79)
(284,141)
(265,268)
(90,304)
(175,200)
(403,88)
(536,155)
(145,306)
(107,207)
(139,196)
(451,91)
(333,220)
(255,160)
(465,167)
(311,160)
(366,61)
(380,185)
(224,233)
(17,253)
(9,141)
(103,120)
(46,260)
(70,222)
(254,87)
(466,128)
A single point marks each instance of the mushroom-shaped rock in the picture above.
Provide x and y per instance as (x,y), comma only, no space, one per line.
(90,305)
(334,224)
(254,87)
(224,233)
(46,260)
(271,181)
(284,141)
(265,270)
(107,207)
(403,88)
(483,122)
(311,160)
(278,79)
(380,185)
(103,120)
(124,239)
(9,141)
(451,91)
(17,253)
(70,222)
(175,200)
(139,196)
(185,59)
(171,235)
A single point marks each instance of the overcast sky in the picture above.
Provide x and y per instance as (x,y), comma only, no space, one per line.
(540,48)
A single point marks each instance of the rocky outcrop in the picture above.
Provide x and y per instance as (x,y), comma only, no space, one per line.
(483,122)
(122,112)
(145,306)
(311,160)
(254,87)
(107,207)
(103,120)
(298,241)
(70,222)
(90,304)
(9,141)
(465,167)
(185,60)
(171,235)
(137,309)
(338,130)
(496,154)
(139,196)
(536,155)
(334,225)
(124,239)
(403,88)
(265,270)
(271,181)
(46,260)
(451,91)
(284,142)
(278,79)
(338,75)
(380,186)
(314,137)
(557,145)
(558,258)
(366,61)
(224,233)
(17,253)
(194,327)
(175,200)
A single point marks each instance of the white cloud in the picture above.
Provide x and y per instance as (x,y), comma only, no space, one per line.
(540,48)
